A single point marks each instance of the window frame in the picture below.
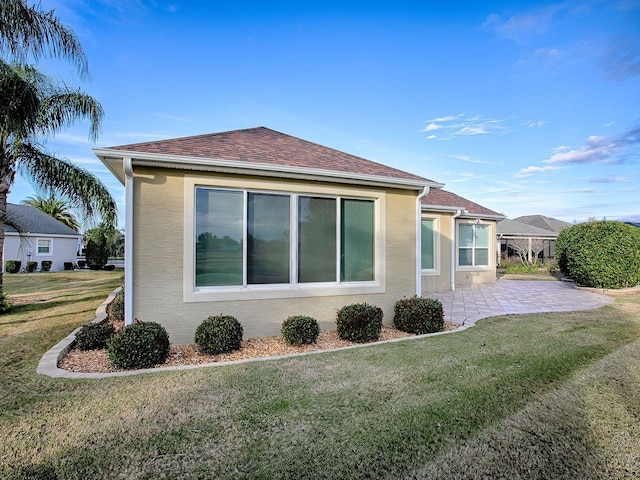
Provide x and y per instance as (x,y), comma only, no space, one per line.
(436,246)
(193,293)
(490,234)
(49,253)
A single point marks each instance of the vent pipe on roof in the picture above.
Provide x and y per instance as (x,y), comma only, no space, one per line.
(127,166)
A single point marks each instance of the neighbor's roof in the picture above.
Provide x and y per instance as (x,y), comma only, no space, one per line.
(438,199)
(260,149)
(546,223)
(515,228)
(29,219)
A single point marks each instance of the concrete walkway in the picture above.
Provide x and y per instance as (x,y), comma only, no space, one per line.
(468,304)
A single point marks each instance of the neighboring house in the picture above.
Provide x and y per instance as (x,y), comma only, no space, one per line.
(32,235)
(262,225)
(530,228)
(458,242)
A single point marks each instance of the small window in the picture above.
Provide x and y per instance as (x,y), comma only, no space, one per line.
(428,244)
(473,245)
(44,246)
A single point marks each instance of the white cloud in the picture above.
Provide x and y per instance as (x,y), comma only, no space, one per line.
(528,171)
(451,126)
(605,149)
(472,159)
(523,25)
(533,123)
(609,179)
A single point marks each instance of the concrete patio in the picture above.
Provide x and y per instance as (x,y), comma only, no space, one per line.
(468,304)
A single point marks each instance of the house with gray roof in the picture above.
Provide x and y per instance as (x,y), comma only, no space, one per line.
(32,235)
(529,228)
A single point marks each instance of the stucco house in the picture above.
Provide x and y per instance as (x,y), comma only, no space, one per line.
(32,235)
(271,226)
(458,242)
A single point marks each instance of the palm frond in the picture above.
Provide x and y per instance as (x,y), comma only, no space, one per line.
(57,208)
(63,107)
(83,189)
(28,33)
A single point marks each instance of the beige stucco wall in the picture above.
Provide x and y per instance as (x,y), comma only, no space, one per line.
(159,226)
(440,280)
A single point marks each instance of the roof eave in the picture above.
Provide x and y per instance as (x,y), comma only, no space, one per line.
(465,213)
(249,168)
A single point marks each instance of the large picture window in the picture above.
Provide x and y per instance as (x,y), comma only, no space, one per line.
(245,238)
(473,245)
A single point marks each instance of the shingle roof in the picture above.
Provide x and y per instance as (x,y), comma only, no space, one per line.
(547,223)
(267,147)
(29,219)
(515,228)
(443,198)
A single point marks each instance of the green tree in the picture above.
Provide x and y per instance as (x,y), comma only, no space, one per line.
(54,207)
(34,106)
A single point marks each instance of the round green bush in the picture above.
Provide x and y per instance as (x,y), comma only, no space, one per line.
(140,345)
(359,322)
(31,266)
(219,334)
(94,335)
(46,265)
(418,315)
(300,329)
(600,254)
(12,266)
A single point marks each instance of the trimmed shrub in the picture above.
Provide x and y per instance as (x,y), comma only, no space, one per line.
(31,266)
(46,265)
(12,266)
(219,334)
(141,345)
(94,335)
(359,322)
(5,306)
(68,265)
(116,307)
(418,315)
(300,329)
(600,254)
(109,268)
(82,263)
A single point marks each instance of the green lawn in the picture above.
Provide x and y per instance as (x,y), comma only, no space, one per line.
(529,396)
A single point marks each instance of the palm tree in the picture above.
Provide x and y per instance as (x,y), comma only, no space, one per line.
(54,207)
(34,106)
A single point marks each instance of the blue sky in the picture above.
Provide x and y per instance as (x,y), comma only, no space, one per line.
(524,107)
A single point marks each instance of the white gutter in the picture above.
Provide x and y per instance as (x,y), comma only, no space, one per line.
(127,166)
(453,249)
(419,241)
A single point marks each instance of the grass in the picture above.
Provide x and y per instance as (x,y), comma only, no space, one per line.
(528,396)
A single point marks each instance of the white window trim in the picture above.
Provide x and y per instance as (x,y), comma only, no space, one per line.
(191,293)
(49,253)
(436,246)
(491,234)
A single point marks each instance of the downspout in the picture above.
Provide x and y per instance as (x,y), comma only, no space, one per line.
(127,166)
(453,248)
(425,190)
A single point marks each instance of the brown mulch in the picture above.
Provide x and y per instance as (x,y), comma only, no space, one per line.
(96,361)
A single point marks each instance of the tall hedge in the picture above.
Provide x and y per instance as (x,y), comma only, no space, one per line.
(600,254)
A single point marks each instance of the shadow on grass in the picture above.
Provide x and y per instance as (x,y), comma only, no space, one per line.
(27,308)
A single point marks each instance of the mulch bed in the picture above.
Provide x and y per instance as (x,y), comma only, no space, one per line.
(96,361)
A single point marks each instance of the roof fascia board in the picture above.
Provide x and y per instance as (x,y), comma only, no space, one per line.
(229,166)
(36,234)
